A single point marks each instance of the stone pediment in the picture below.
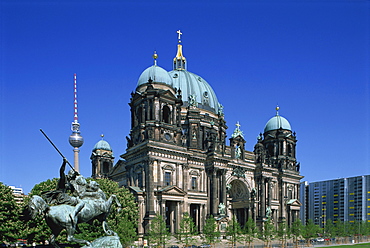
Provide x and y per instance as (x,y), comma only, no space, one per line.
(294,202)
(135,190)
(172,190)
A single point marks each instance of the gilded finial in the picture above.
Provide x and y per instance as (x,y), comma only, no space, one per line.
(179,62)
(102,136)
(277,110)
(155,56)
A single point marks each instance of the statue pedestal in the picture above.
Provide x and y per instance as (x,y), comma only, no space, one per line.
(105,242)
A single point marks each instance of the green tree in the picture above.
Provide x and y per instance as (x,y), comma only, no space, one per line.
(340,231)
(234,231)
(249,232)
(158,233)
(211,233)
(310,231)
(330,231)
(268,233)
(9,215)
(350,229)
(296,231)
(283,233)
(186,232)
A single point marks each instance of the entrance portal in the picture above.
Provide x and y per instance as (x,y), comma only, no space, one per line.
(240,201)
(171,214)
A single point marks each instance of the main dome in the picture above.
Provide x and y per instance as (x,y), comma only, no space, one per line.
(276,123)
(191,84)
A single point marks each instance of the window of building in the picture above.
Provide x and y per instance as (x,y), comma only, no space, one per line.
(194,183)
(167,178)
(166,113)
(105,167)
(140,115)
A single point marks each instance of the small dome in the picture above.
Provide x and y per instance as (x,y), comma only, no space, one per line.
(155,73)
(102,145)
(276,123)
(192,84)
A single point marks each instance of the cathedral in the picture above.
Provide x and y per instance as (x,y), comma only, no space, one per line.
(177,158)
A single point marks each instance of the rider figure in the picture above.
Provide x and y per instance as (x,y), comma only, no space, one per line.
(73,182)
(79,187)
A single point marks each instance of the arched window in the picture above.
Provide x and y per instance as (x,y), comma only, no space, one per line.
(166,114)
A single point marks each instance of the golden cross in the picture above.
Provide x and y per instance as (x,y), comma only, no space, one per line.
(179,32)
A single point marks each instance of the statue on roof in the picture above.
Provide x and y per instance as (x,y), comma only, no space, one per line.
(192,101)
(237,132)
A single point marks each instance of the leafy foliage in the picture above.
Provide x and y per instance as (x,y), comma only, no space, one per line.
(158,233)
(211,233)
(283,233)
(268,232)
(9,215)
(186,232)
(234,231)
(249,231)
(296,231)
(310,231)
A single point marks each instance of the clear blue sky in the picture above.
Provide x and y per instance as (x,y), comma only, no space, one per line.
(309,57)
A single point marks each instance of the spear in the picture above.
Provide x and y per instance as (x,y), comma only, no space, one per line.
(56,148)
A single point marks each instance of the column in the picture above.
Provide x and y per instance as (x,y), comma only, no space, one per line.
(185,176)
(223,187)
(214,192)
(269,191)
(263,197)
(283,200)
(163,209)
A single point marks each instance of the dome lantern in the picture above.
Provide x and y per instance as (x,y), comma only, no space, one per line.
(179,62)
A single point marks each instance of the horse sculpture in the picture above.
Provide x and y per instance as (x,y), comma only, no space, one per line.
(60,217)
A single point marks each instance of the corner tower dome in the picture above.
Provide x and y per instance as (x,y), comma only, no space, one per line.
(102,145)
(192,85)
(277,122)
(155,73)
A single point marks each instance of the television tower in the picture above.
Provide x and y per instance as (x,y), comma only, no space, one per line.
(75,139)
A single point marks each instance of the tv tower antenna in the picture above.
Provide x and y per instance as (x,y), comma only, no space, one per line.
(75,139)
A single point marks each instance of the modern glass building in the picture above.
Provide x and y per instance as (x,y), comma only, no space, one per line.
(344,199)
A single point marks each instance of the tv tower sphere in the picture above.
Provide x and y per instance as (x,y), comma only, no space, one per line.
(76,140)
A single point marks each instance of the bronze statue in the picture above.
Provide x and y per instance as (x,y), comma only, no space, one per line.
(85,203)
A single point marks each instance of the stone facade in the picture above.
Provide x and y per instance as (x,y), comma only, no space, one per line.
(177,159)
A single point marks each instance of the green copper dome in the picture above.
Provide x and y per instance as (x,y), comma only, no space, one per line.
(194,89)
(155,73)
(102,145)
(277,122)
(192,85)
